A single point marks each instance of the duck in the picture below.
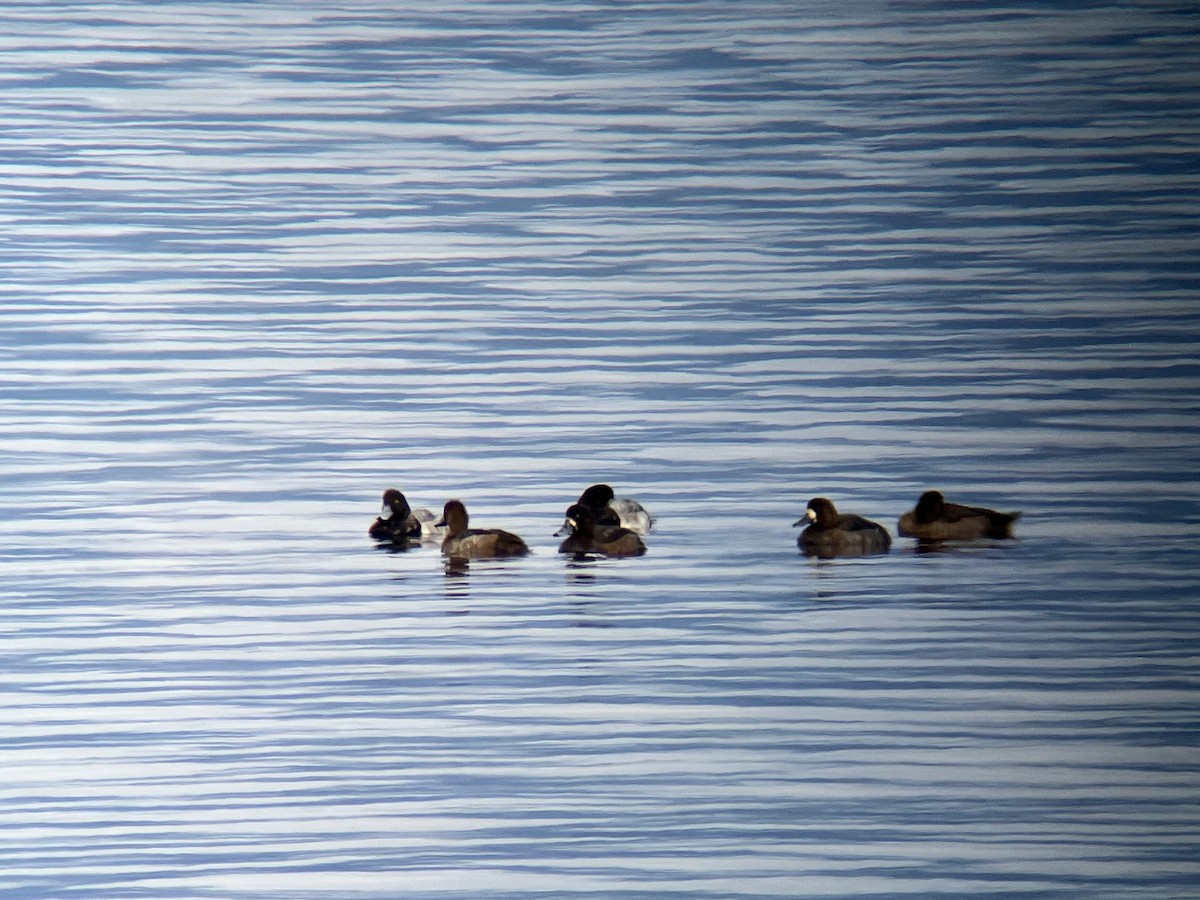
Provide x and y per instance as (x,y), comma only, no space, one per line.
(830,533)
(397,522)
(933,519)
(609,509)
(464,542)
(585,536)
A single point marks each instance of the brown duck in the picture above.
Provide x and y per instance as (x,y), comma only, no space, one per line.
(933,519)
(587,537)
(830,533)
(463,542)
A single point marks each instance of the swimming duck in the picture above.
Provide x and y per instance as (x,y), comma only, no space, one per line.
(462,542)
(397,522)
(587,537)
(611,510)
(933,519)
(830,533)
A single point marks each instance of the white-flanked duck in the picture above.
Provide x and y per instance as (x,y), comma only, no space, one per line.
(608,509)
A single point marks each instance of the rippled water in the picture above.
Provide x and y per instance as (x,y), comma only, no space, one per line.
(261,261)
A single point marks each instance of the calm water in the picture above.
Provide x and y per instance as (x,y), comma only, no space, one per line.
(261,261)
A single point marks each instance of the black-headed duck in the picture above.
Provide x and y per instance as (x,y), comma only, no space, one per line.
(830,533)
(609,509)
(463,542)
(933,519)
(587,537)
(396,522)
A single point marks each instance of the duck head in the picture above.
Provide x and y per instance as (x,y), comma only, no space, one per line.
(579,520)
(454,517)
(821,512)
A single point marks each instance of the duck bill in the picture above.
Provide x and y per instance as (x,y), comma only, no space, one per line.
(568,527)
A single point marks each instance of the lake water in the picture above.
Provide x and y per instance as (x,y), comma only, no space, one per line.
(263,260)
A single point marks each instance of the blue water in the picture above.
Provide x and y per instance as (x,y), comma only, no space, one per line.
(261,261)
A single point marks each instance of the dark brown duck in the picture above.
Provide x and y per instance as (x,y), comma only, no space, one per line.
(933,519)
(585,536)
(830,533)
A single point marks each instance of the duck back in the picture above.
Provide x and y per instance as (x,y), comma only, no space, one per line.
(620,542)
(387,532)
(424,524)
(853,536)
(476,543)
(631,515)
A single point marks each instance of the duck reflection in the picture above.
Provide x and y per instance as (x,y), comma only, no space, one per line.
(457,584)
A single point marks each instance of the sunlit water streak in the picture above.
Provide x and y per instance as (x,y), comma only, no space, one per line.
(262,262)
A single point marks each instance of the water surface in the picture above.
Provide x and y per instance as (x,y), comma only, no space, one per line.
(261,262)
